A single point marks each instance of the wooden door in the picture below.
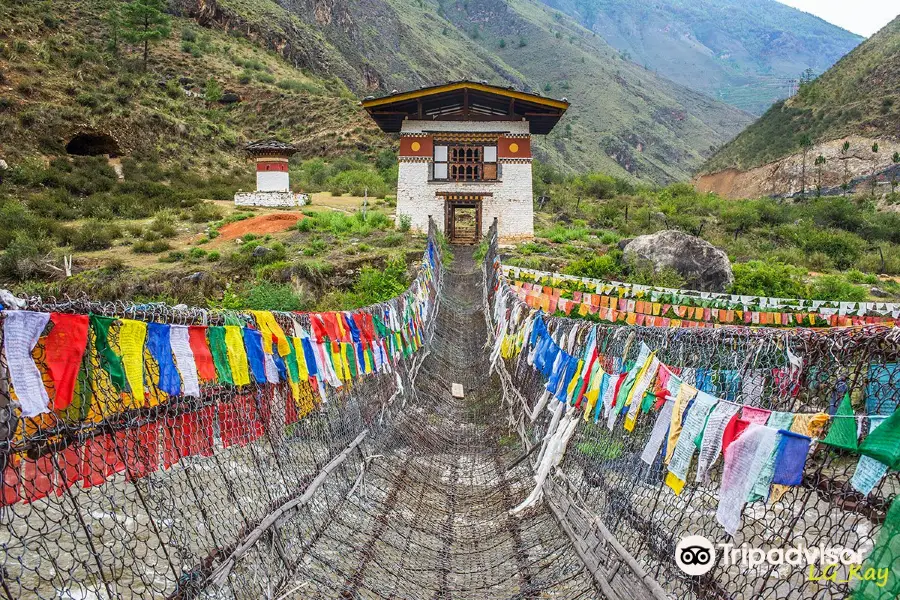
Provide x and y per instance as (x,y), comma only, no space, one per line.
(462,218)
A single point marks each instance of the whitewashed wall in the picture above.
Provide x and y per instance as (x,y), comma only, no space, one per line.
(512,199)
(272,181)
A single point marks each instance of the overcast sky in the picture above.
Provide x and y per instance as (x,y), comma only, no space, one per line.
(864,17)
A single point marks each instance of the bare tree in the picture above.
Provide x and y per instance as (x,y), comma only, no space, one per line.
(806,144)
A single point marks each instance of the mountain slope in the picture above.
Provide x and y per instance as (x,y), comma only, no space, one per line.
(859,96)
(59,78)
(743,52)
(624,119)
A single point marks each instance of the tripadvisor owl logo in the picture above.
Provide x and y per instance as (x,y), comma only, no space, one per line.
(695,555)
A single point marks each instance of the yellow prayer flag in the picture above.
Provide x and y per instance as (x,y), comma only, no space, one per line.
(237,356)
(268,326)
(132,335)
(302,367)
(685,394)
(570,389)
(675,483)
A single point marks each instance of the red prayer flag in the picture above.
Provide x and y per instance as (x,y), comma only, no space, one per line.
(68,464)
(38,478)
(203,433)
(733,431)
(9,483)
(142,450)
(202,356)
(93,466)
(64,349)
(290,410)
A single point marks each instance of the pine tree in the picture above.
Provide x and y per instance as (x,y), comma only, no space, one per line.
(144,22)
(820,162)
(112,20)
(846,183)
(874,163)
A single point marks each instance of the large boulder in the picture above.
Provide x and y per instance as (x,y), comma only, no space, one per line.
(703,266)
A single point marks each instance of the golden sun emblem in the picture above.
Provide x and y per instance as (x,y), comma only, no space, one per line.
(514,147)
(416,146)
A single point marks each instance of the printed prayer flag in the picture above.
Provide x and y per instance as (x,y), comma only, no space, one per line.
(843,432)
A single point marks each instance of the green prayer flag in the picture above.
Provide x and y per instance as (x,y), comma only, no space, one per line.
(350,353)
(648,401)
(843,427)
(292,365)
(883,444)
(109,360)
(884,560)
(219,351)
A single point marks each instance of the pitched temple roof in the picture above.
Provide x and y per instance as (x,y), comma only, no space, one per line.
(270,147)
(465,101)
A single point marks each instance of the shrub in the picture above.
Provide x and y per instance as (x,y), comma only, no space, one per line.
(314,247)
(275,296)
(292,85)
(405,223)
(835,287)
(23,256)
(204,212)
(561,234)
(604,266)
(163,225)
(765,278)
(172,257)
(95,235)
(154,247)
(357,182)
(213,256)
(377,285)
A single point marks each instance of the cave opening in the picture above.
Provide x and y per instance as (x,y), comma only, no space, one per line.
(93,144)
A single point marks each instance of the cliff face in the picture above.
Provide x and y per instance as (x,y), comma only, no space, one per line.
(857,100)
(785,177)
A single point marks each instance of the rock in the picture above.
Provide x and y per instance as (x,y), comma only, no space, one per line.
(622,243)
(260,251)
(229,98)
(703,266)
(195,277)
(878,292)
(186,80)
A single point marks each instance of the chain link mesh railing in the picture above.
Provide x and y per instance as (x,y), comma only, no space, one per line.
(623,503)
(407,484)
(392,488)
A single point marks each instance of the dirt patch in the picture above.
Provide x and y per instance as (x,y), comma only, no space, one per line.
(260,225)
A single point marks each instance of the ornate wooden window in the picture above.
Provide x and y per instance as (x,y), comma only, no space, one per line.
(465,163)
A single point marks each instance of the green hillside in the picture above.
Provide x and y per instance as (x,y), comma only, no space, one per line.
(860,95)
(744,53)
(624,119)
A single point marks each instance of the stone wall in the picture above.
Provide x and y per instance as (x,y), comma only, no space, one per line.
(271,199)
(511,199)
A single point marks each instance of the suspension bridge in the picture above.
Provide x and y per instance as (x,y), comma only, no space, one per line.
(333,455)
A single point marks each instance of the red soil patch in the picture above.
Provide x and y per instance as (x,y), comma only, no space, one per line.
(260,225)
